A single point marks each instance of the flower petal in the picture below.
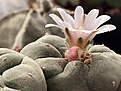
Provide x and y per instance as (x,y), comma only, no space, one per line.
(84,28)
(66,17)
(100,20)
(67,25)
(53,16)
(72,21)
(89,20)
(85,34)
(51,25)
(57,20)
(105,28)
(74,35)
(63,14)
(80,33)
(78,16)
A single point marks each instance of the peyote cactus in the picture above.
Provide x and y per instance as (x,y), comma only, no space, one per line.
(100,49)
(11,29)
(20,29)
(9,59)
(31,77)
(101,74)
(43,66)
(104,74)
(51,66)
(14,26)
(19,73)
(1,83)
(59,43)
(71,79)
(8,89)
(40,50)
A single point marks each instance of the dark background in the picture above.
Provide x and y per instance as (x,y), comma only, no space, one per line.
(111,39)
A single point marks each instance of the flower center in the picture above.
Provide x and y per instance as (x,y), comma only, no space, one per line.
(80,28)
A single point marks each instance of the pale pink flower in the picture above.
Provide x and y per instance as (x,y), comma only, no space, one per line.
(82,28)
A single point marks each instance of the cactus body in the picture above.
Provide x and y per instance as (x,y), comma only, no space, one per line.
(37,50)
(27,76)
(20,73)
(58,42)
(51,66)
(102,74)
(8,59)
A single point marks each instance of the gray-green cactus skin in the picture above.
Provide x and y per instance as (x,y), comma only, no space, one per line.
(8,89)
(105,69)
(100,49)
(33,30)
(59,43)
(9,59)
(20,73)
(103,74)
(73,78)
(51,66)
(15,22)
(1,83)
(39,49)
(25,77)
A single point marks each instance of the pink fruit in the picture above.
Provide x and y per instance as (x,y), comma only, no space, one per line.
(73,53)
(76,53)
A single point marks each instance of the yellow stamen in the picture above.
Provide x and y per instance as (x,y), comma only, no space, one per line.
(76,28)
(80,28)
